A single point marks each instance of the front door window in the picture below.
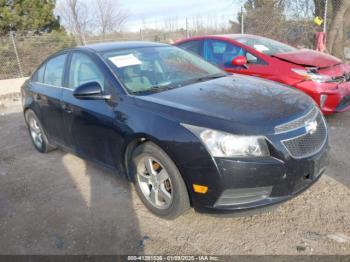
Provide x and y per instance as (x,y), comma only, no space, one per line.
(221,53)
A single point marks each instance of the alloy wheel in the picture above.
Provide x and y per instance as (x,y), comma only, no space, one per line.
(36,132)
(154,182)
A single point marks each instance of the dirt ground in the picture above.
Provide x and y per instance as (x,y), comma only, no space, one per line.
(57,203)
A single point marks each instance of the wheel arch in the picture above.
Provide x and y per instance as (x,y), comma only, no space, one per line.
(133,143)
(139,139)
(26,109)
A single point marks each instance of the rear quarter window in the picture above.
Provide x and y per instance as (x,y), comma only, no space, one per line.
(38,75)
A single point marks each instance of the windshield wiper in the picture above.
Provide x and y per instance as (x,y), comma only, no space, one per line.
(159,88)
(196,80)
(205,78)
(154,89)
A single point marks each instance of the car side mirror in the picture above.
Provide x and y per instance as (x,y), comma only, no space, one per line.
(240,61)
(90,91)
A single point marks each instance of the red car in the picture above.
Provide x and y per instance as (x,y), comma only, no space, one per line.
(323,77)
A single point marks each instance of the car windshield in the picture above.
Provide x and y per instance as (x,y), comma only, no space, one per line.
(154,69)
(265,45)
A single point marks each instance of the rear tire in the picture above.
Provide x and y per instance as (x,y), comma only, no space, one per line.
(37,133)
(158,181)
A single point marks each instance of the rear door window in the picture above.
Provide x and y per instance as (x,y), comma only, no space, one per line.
(194,47)
(54,71)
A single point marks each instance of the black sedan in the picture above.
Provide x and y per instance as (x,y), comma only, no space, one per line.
(181,129)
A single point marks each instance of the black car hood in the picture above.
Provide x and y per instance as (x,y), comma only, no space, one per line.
(250,104)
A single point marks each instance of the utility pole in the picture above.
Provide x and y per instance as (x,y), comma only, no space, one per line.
(242,20)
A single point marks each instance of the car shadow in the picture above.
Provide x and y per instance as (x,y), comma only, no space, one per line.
(339,141)
(58,203)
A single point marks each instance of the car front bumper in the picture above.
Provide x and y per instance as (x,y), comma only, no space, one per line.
(331,97)
(246,184)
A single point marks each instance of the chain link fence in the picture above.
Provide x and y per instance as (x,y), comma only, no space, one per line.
(9,67)
(20,53)
(291,23)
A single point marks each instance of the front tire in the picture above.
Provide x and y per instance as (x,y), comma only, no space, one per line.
(158,181)
(37,133)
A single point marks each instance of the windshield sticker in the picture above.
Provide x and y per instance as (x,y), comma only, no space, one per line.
(125,60)
(261,48)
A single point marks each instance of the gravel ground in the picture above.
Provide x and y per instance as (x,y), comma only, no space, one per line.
(58,203)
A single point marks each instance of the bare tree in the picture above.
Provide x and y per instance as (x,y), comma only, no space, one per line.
(336,38)
(110,16)
(171,23)
(299,8)
(337,14)
(75,16)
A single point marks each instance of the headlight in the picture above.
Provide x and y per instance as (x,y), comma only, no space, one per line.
(311,75)
(221,144)
(323,99)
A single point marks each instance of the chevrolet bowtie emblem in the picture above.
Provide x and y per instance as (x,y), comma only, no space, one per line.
(311,126)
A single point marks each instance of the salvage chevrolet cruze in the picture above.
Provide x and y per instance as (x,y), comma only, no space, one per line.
(186,133)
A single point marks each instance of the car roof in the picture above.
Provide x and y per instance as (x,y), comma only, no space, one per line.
(227,36)
(112,46)
(235,36)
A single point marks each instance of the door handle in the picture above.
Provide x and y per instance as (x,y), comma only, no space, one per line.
(37,97)
(67,109)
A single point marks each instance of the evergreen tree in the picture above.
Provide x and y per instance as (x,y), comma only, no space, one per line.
(28,16)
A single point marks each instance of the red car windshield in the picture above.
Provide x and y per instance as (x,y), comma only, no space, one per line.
(265,45)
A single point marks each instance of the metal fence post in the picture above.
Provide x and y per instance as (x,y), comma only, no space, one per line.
(141,35)
(12,36)
(187,29)
(325,17)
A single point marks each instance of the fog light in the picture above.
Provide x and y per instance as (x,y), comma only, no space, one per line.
(323,100)
(200,189)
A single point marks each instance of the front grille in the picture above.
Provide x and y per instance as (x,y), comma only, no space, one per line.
(340,79)
(297,123)
(309,143)
(337,79)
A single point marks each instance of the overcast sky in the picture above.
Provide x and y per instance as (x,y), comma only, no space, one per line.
(154,12)
(172,7)
(148,11)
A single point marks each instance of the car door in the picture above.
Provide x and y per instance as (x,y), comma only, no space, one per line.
(221,53)
(91,129)
(46,88)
